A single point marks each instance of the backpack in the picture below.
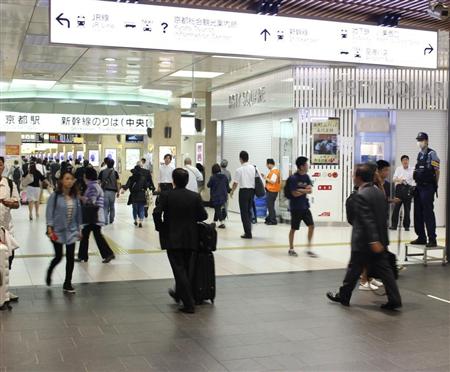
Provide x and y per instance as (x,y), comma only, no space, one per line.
(109,181)
(207,237)
(287,191)
(16,174)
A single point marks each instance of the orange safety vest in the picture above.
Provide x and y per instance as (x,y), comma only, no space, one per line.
(274,187)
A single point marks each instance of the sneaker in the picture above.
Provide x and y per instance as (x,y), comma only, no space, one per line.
(140,224)
(67,288)
(367,287)
(135,223)
(312,254)
(376,283)
(13,297)
(292,253)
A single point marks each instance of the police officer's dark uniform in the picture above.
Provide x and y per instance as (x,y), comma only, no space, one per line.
(425,175)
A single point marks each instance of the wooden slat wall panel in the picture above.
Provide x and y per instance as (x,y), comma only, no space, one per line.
(367,88)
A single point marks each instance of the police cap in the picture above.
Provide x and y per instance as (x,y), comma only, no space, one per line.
(422,136)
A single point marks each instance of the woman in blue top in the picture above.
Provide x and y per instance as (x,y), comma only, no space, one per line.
(64,226)
(218,183)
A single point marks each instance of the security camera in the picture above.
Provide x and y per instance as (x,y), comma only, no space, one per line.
(438,10)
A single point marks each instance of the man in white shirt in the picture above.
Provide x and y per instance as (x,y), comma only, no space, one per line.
(194,175)
(165,174)
(245,179)
(403,180)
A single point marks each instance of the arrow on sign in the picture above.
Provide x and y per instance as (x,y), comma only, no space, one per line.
(266,33)
(429,50)
(60,20)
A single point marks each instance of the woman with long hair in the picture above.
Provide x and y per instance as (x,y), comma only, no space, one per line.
(138,184)
(64,226)
(92,201)
(34,190)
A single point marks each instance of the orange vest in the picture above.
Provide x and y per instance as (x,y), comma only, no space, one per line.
(274,187)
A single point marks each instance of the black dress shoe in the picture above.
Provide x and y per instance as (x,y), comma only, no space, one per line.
(187,310)
(390,306)
(336,298)
(81,260)
(173,294)
(246,236)
(418,242)
(392,228)
(48,279)
(406,228)
(109,259)
(432,244)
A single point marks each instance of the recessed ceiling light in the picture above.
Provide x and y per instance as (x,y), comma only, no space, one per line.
(236,57)
(133,72)
(109,59)
(111,71)
(197,74)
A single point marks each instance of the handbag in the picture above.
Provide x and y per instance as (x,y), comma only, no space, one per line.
(89,213)
(260,191)
(27,180)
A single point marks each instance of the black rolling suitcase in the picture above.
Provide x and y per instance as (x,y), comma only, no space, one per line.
(204,275)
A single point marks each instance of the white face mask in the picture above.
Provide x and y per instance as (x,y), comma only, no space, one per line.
(421,144)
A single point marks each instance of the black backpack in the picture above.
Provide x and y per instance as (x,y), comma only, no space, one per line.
(207,237)
(16,175)
(287,191)
(109,179)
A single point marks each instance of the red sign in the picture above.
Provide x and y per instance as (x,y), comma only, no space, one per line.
(325,214)
(316,174)
(325,187)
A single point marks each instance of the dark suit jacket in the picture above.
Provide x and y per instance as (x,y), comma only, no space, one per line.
(176,218)
(369,219)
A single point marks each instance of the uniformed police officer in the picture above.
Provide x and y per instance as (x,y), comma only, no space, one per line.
(426,175)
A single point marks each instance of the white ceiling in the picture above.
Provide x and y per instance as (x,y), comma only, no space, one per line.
(25,53)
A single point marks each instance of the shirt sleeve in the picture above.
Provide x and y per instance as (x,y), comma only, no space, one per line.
(435,161)
(237,177)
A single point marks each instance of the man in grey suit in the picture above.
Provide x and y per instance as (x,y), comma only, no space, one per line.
(176,218)
(369,239)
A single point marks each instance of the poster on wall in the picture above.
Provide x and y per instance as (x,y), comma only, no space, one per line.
(61,156)
(94,158)
(111,154)
(80,155)
(199,152)
(325,142)
(70,156)
(132,158)
(164,150)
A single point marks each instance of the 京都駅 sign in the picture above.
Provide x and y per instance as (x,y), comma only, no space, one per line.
(63,123)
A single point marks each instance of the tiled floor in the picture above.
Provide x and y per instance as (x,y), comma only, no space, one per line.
(139,256)
(271,322)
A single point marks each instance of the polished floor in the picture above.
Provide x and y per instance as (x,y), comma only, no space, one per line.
(270,314)
(263,322)
(139,256)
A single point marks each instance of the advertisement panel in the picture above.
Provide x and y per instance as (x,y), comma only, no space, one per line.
(325,142)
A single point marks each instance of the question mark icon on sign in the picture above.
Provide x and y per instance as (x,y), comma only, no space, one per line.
(165,25)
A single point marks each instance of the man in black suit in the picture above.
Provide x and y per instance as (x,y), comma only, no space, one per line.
(176,218)
(369,240)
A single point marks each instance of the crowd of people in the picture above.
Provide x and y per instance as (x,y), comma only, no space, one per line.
(84,200)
